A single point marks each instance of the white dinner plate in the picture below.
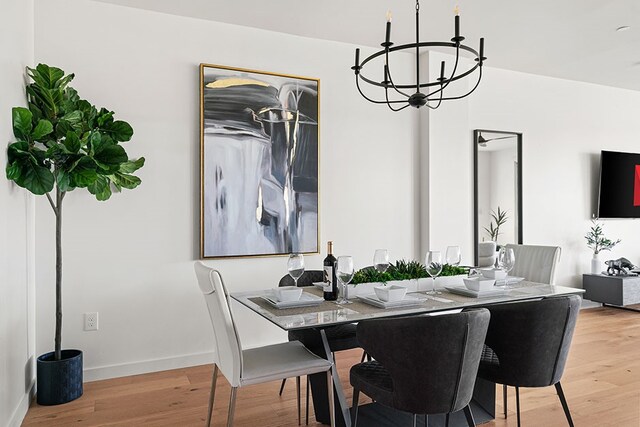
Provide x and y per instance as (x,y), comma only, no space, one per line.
(306,300)
(407,301)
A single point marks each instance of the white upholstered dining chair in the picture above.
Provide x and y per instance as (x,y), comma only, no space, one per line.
(536,263)
(253,366)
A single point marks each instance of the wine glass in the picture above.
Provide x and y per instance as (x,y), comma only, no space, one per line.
(344,270)
(506,261)
(433,262)
(453,255)
(295,265)
(381,260)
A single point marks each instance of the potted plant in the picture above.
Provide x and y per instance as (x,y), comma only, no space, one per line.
(62,143)
(597,242)
(500,218)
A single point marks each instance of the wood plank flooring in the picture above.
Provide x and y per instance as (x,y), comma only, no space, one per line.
(601,382)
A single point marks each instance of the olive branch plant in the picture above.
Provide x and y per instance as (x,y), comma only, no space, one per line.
(62,143)
(596,240)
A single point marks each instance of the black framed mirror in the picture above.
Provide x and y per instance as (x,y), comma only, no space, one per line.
(497,197)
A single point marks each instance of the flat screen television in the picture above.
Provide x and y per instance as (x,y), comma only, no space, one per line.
(619,195)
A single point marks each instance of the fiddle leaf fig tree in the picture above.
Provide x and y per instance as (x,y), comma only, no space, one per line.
(62,143)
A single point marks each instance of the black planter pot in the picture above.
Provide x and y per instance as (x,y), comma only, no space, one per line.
(59,381)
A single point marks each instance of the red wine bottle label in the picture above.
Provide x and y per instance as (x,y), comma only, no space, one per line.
(328,276)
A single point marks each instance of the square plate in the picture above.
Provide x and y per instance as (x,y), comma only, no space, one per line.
(306,300)
(461,290)
(407,301)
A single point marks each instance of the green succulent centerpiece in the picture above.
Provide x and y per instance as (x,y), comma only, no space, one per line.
(63,142)
(403,270)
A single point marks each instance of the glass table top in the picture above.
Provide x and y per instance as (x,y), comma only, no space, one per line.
(329,313)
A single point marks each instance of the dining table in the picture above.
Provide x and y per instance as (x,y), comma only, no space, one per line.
(329,313)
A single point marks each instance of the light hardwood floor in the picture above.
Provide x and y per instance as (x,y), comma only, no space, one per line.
(601,382)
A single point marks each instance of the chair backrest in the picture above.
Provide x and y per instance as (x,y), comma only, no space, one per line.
(536,263)
(227,344)
(307,278)
(532,339)
(433,360)
(486,254)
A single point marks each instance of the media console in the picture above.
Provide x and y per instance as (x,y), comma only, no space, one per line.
(615,291)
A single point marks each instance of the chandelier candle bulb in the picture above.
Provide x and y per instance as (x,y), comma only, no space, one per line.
(357,59)
(457,23)
(481,49)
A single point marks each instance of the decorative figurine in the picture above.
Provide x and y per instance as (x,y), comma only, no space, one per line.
(619,267)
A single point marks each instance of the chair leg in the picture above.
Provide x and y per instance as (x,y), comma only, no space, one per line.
(232,406)
(518,404)
(306,411)
(332,412)
(212,394)
(504,399)
(565,406)
(467,413)
(415,420)
(298,397)
(446,420)
(282,387)
(354,405)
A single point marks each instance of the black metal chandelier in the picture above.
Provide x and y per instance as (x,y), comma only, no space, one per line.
(433,94)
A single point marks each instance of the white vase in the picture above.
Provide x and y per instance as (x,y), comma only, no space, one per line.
(596,264)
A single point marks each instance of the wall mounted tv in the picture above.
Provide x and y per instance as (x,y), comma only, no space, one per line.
(619,185)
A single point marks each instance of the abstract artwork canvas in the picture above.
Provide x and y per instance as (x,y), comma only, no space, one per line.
(258,162)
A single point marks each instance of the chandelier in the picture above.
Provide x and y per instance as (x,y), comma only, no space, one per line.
(399,96)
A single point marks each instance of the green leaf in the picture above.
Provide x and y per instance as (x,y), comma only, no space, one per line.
(46,76)
(21,122)
(19,149)
(43,128)
(101,188)
(110,156)
(83,173)
(72,142)
(37,179)
(132,165)
(120,131)
(73,117)
(13,171)
(63,179)
(125,180)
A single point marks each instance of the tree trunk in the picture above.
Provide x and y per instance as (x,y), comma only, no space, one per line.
(58,211)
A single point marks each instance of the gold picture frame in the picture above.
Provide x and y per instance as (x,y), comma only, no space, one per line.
(259,163)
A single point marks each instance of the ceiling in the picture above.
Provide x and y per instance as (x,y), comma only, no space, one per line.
(571,39)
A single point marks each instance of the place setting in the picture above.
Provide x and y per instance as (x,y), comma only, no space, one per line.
(491,281)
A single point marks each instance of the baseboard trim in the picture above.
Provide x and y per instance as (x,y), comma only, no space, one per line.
(146,366)
(21,410)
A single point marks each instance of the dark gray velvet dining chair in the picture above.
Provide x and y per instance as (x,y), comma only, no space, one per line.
(528,343)
(341,337)
(422,364)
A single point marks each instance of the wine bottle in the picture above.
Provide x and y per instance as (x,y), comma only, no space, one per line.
(330,287)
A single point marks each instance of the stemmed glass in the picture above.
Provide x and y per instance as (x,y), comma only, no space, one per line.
(433,262)
(381,260)
(506,261)
(453,255)
(295,265)
(344,271)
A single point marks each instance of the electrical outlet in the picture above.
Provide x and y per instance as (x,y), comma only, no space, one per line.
(91,321)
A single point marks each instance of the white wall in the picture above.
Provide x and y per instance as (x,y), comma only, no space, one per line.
(17,333)
(565,124)
(131,258)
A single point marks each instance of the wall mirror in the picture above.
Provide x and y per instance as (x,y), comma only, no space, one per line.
(497,192)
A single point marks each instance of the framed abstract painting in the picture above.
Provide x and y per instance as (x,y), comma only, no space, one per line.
(259,135)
